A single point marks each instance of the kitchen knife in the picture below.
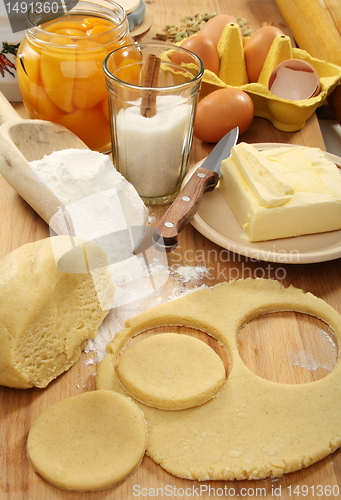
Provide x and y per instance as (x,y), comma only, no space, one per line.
(186,204)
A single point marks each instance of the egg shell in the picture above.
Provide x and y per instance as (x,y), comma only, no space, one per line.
(220,112)
(299,81)
(214,27)
(256,49)
(204,48)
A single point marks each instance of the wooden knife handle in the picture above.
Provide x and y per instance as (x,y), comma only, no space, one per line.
(184,207)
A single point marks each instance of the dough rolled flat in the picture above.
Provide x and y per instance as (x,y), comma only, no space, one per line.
(88,442)
(47,314)
(256,428)
(171,371)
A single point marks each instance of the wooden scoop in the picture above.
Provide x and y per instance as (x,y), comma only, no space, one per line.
(23,141)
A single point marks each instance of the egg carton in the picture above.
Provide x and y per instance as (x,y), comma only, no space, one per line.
(285,115)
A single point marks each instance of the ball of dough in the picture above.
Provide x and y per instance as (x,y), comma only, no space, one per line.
(88,442)
(46,314)
(171,371)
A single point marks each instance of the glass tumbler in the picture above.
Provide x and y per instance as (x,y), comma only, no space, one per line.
(60,66)
(153,91)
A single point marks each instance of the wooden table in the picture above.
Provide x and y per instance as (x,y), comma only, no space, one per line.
(264,343)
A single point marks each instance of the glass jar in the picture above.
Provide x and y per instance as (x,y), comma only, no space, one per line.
(153,91)
(60,71)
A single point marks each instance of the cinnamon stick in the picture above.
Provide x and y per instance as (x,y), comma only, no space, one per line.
(150,79)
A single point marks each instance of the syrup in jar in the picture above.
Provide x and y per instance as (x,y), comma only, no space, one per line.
(60,71)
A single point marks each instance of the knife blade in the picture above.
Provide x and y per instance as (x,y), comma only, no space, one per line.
(205,178)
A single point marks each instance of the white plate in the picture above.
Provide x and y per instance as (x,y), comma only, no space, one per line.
(217,222)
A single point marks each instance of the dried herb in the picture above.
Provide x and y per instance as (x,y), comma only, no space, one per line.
(10,48)
(190,25)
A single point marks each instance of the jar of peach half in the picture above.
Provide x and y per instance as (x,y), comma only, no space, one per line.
(59,66)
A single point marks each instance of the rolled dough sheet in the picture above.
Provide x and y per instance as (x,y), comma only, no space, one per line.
(171,371)
(255,428)
(88,442)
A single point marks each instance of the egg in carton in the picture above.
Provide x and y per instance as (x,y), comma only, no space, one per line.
(286,115)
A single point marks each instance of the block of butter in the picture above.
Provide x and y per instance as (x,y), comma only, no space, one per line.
(282,192)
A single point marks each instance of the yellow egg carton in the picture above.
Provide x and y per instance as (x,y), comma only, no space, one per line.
(286,115)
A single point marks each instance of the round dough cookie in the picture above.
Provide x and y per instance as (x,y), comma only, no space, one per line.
(171,371)
(256,428)
(88,442)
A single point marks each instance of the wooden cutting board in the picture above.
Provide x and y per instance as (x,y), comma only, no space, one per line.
(264,343)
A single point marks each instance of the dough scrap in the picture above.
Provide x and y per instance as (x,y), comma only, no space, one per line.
(171,371)
(46,314)
(88,442)
(256,428)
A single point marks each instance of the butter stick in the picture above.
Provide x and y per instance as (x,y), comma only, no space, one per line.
(314,206)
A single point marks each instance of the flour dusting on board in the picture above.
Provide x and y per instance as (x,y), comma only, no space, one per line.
(188,273)
(181,280)
(325,358)
(304,359)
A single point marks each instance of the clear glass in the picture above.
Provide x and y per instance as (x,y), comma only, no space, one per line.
(152,122)
(60,67)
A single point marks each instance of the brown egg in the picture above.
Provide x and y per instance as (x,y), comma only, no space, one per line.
(204,48)
(256,49)
(215,26)
(221,111)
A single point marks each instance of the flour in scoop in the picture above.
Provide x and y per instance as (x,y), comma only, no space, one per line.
(100,204)
(73,174)
(150,150)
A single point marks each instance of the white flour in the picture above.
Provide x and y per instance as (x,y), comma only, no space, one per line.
(191,276)
(305,359)
(73,174)
(151,149)
(101,205)
(188,273)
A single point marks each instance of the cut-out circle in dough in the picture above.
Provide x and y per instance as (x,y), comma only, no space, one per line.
(291,347)
(88,442)
(171,371)
(255,428)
